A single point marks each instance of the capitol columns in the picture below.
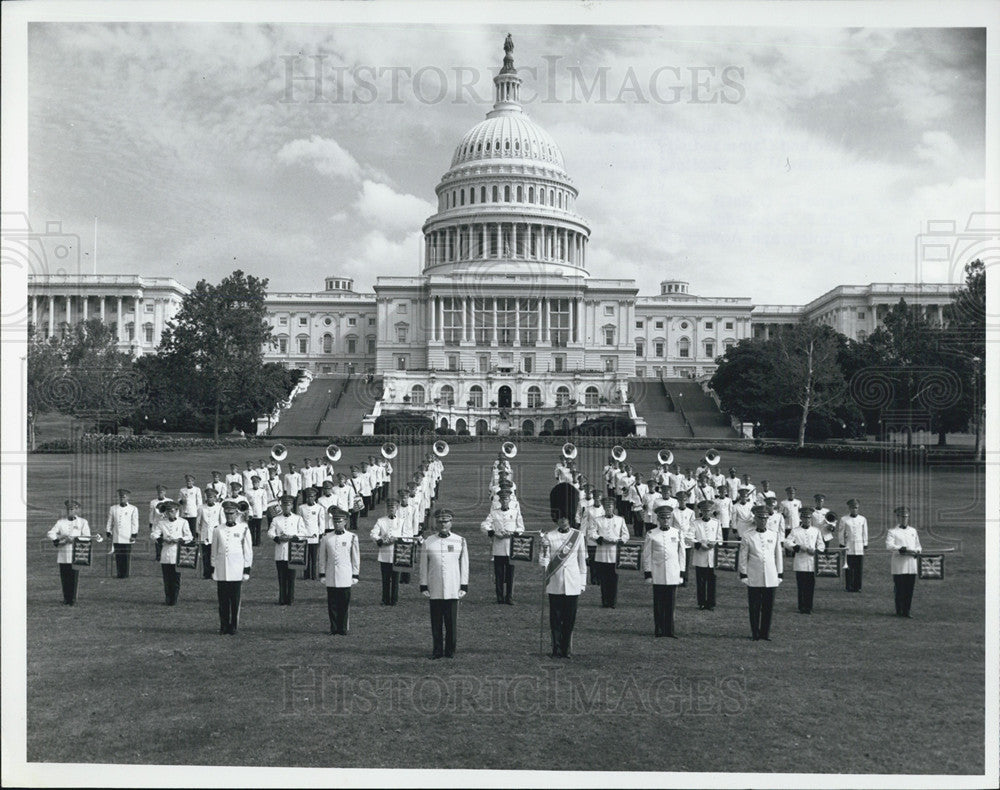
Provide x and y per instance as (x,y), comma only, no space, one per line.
(119,325)
(52,316)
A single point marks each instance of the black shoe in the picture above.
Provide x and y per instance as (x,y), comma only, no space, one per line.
(766,638)
(554,654)
(701,606)
(508,601)
(435,656)
(449,655)
(222,631)
(672,636)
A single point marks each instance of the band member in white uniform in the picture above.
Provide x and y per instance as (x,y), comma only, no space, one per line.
(852,531)
(122,529)
(444,579)
(386,531)
(339,565)
(210,516)
(314,517)
(707,535)
(609,532)
(902,540)
(62,535)
(790,509)
(284,529)
(190,499)
(761,566)
(155,515)
(233,559)
(500,525)
(172,530)
(663,563)
(805,541)
(257,496)
(564,558)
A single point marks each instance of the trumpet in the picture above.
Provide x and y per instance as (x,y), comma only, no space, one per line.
(712,458)
(333,453)
(440,448)
(618,453)
(665,457)
(279,452)
(569,451)
(389,450)
(509,449)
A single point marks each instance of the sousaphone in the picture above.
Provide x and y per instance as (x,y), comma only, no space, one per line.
(279,452)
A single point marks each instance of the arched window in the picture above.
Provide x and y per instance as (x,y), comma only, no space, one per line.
(531,194)
(562,396)
(417,394)
(528,428)
(520,195)
(476,395)
(560,200)
(534,397)
(482,427)
(328,344)
(565,425)
(684,347)
(447,393)
(496,194)
(552,197)
(591,397)
(461,197)
(461,425)
(548,425)
(482,194)
(444,423)
(472,196)
(506,194)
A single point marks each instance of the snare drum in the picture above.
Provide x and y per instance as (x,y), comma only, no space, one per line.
(273,511)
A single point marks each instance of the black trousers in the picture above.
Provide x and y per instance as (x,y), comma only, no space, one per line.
(704,579)
(123,559)
(369,504)
(592,576)
(229,606)
(852,572)
(761,603)
(353,524)
(158,544)
(663,609)
(503,578)
(255,524)
(562,618)
(607,577)
(805,581)
(312,555)
(638,525)
(171,582)
(286,582)
(903,584)
(338,604)
(444,622)
(390,584)
(206,560)
(69,577)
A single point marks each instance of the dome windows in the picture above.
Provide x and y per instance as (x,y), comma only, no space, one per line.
(482,194)
(520,195)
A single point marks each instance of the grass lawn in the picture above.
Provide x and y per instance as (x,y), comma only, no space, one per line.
(121,678)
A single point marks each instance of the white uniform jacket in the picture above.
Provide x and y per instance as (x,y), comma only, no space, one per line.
(221,489)
(154,514)
(444,566)
(189,500)
(742,519)
(733,485)
(209,517)
(344,497)
(612,529)
(66,530)
(683,520)
(724,511)
(314,517)
(663,555)
(232,552)
(247,475)
(789,509)
(761,558)
(571,578)
(123,523)
(233,477)
(805,538)
(503,524)
(387,530)
(290,526)
(707,533)
(257,498)
(172,532)
(293,483)
(897,538)
(853,533)
(339,560)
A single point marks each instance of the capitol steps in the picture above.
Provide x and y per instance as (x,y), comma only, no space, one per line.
(357,400)
(307,410)
(652,404)
(700,410)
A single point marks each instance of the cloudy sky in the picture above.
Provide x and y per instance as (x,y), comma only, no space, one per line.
(763,162)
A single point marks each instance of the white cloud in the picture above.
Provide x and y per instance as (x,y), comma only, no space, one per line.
(389,209)
(939,148)
(322,153)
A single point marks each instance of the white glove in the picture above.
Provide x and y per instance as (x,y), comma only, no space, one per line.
(246,577)
(649,581)
(426,594)
(353,582)
(461,594)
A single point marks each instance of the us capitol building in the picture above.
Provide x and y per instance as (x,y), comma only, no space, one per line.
(504,314)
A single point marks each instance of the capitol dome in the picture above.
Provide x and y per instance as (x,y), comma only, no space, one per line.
(506,199)
(508,135)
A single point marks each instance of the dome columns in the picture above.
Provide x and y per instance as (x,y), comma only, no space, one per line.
(528,241)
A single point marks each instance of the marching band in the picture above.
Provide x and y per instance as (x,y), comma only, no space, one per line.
(648,524)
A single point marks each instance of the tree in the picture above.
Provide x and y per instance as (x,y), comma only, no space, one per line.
(216,344)
(82,373)
(807,371)
(745,381)
(967,332)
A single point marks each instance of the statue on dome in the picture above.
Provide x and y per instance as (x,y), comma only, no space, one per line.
(508,44)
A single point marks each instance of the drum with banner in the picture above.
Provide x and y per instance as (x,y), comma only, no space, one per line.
(727,556)
(83,550)
(187,554)
(404,552)
(522,547)
(297,552)
(629,557)
(930,566)
(828,563)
